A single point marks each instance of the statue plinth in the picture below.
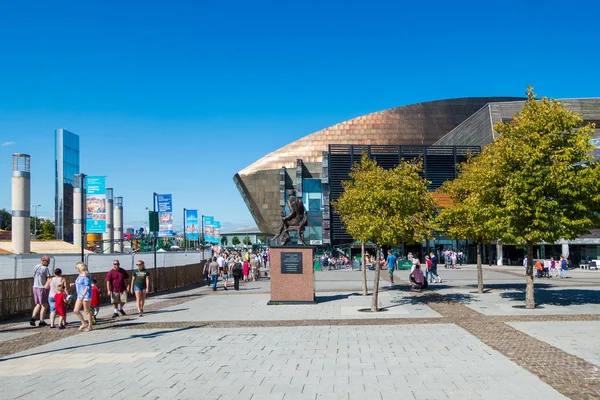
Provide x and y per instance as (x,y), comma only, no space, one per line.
(292,275)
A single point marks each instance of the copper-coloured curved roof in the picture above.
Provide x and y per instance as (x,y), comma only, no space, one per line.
(420,123)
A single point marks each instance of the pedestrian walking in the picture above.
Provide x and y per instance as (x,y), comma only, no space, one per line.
(41,286)
(246,270)
(55,281)
(83,288)
(60,305)
(433,270)
(391,266)
(225,274)
(254,268)
(237,274)
(116,287)
(95,303)
(563,267)
(214,273)
(139,285)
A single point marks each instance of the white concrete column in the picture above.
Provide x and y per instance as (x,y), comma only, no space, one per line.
(21,204)
(565,250)
(499,253)
(77,210)
(118,236)
(108,236)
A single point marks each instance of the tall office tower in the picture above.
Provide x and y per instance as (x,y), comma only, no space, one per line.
(67,165)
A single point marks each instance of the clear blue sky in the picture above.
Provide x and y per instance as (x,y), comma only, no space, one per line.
(177,96)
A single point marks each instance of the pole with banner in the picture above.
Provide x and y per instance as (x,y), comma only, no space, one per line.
(154,238)
(184,232)
(83,212)
(95,204)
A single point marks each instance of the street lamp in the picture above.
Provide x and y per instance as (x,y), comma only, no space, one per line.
(35,207)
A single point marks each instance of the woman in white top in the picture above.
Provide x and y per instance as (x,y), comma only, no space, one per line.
(56,280)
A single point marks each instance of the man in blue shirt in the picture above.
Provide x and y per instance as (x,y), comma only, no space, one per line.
(391,266)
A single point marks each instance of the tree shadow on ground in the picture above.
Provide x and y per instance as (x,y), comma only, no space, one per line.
(325,299)
(561,297)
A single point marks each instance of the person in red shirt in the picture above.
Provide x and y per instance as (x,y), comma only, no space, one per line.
(60,304)
(116,286)
(95,303)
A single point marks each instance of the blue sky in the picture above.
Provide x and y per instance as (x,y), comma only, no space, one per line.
(176,97)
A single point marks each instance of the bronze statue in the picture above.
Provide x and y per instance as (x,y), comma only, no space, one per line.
(294,221)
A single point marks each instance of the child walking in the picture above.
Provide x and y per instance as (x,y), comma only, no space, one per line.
(95,302)
(60,300)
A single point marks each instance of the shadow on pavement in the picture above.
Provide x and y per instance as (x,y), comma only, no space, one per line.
(563,297)
(137,336)
(325,299)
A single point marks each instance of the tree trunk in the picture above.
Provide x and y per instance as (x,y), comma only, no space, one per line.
(375,300)
(529,294)
(365,290)
(479,269)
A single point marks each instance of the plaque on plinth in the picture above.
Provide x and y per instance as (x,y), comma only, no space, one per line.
(292,275)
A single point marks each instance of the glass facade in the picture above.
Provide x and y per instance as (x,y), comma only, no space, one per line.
(312,197)
(67,165)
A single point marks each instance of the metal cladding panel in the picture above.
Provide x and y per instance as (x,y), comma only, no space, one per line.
(439,166)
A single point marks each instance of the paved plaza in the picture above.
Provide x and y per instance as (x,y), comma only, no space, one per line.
(445,343)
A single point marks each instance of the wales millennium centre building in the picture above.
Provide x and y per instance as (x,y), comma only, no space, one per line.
(442,133)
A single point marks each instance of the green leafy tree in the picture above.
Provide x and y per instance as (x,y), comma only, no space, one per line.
(474,198)
(247,241)
(5,220)
(47,231)
(263,239)
(235,241)
(387,206)
(224,241)
(549,186)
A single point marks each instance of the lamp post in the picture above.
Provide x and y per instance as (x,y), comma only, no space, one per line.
(35,207)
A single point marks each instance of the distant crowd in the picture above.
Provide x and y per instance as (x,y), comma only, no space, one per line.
(236,266)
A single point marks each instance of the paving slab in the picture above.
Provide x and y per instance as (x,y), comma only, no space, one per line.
(581,338)
(261,363)
(331,305)
(549,301)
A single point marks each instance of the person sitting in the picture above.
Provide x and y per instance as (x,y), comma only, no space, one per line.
(540,268)
(417,279)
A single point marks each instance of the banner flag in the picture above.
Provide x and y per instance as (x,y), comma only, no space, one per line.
(95,204)
(165,215)
(191,224)
(209,229)
(217,232)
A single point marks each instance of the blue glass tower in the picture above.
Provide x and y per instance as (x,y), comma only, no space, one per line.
(67,165)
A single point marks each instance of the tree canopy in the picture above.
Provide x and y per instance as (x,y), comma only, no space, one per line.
(387,206)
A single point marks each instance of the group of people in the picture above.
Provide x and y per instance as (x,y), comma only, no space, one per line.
(329,261)
(551,268)
(452,257)
(235,265)
(51,292)
(418,279)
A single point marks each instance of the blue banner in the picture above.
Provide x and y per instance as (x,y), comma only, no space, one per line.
(95,204)
(165,215)
(217,232)
(209,229)
(191,224)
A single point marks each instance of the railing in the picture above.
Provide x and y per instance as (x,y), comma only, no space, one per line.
(16,294)
(22,265)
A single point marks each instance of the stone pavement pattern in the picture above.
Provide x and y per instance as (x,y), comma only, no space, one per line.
(443,343)
(421,362)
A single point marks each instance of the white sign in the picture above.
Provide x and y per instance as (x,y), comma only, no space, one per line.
(316,242)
